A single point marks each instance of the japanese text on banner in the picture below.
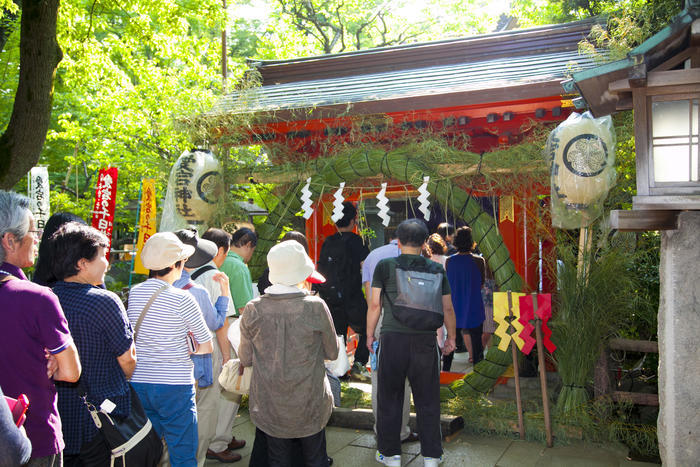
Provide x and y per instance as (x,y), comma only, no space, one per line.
(147,220)
(39,194)
(105,201)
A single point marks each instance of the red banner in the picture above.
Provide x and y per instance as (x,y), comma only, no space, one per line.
(528,313)
(105,200)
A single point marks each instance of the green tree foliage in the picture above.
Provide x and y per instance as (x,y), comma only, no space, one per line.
(653,14)
(130,71)
(629,22)
(8,20)
(296,28)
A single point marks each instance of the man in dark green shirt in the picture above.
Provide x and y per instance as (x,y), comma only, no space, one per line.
(405,352)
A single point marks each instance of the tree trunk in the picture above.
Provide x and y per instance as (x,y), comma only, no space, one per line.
(21,144)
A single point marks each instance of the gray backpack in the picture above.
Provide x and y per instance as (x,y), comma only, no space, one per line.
(418,303)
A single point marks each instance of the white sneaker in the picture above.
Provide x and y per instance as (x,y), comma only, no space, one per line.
(388,460)
(432,461)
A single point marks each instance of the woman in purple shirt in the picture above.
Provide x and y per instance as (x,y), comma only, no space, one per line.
(34,337)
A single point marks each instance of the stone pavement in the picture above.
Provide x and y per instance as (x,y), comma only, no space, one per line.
(355,448)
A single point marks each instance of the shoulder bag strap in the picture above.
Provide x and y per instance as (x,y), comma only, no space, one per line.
(145,309)
(201,271)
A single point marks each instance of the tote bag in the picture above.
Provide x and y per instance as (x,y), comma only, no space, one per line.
(232,381)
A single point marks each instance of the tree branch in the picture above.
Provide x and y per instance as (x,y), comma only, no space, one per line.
(8,23)
(23,140)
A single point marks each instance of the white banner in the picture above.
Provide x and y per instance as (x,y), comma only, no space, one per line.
(39,194)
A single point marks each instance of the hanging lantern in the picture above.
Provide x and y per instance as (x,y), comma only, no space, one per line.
(193,188)
(581,153)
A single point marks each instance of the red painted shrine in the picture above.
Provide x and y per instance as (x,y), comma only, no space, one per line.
(479,94)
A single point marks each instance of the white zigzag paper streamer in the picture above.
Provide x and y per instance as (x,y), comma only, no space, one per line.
(338,203)
(306,200)
(423,198)
(382,204)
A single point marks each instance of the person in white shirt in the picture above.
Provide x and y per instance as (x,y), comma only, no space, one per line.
(162,317)
(217,401)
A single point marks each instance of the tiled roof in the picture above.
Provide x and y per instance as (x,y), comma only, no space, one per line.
(489,68)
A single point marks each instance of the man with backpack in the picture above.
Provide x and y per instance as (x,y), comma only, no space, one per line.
(340,262)
(415,295)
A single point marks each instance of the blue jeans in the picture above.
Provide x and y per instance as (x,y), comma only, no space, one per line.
(173,413)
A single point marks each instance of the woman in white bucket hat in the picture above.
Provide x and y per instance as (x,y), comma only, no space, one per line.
(286,334)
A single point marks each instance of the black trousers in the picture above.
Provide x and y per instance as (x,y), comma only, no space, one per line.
(353,314)
(284,452)
(416,357)
(477,346)
(94,453)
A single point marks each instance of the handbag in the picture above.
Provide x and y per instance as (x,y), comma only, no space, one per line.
(232,381)
(341,364)
(132,438)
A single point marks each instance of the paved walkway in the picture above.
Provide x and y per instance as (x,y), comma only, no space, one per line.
(355,448)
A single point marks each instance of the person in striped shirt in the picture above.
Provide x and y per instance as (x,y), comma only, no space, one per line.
(163,377)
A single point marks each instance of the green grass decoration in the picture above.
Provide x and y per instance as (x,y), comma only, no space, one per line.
(514,169)
(590,310)
(406,165)
(588,313)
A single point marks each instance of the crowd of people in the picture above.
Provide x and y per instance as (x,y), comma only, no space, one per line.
(71,342)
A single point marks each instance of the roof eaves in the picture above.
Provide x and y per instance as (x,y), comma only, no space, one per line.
(683,20)
(390,104)
(592,84)
(550,28)
(604,69)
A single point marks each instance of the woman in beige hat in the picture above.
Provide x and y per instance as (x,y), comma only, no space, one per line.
(286,335)
(163,317)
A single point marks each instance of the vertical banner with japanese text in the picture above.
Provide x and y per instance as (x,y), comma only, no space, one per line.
(147,220)
(105,199)
(39,194)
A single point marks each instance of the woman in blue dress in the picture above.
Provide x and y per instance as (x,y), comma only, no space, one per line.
(465,272)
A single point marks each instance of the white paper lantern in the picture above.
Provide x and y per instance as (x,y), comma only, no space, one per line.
(582,156)
(581,153)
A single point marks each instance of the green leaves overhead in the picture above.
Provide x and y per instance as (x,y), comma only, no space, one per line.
(294,28)
(130,71)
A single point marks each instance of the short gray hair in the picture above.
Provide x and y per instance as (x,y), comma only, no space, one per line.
(14,216)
